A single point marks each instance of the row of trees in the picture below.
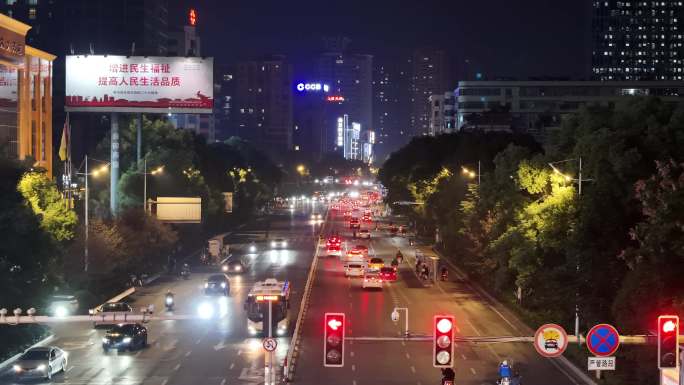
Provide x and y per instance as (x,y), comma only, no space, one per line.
(617,249)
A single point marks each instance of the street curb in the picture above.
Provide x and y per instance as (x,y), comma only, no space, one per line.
(291,359)
(564,361)
(10,360)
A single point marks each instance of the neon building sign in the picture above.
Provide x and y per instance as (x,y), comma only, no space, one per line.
(301,87)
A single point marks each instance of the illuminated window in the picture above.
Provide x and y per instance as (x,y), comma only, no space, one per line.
(32,13)
(33,2)
(11,2)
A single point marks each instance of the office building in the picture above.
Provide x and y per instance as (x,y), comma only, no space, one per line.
(350,76)
(537,107)
(391,105)
(224,102)
(430,75)
(186,41)
(263,103)
(442,113)
(637,40)
(25,97)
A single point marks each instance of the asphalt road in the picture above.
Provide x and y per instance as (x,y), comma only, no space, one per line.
(207,352)
(410,362)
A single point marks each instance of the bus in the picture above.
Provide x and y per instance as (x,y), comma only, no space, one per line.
(256,305)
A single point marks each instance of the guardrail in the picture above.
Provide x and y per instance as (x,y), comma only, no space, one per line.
(293,351)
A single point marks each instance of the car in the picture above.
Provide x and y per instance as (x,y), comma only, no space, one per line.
(333,250)
(550,344)
(217,284)
(110,312)
(363,249)
(367,219)
(316,217)
(40,361)
(354,223)
(235,265)
(376,263)
(372,279)
(354,270)
(364,234)
(125,337)
(278,243)
(63,305)
(388,274)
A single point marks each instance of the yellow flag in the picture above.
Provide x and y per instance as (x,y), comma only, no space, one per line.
(63,146)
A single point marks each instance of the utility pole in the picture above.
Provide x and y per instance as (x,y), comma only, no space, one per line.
(85,252)
(479,170)
(145,185)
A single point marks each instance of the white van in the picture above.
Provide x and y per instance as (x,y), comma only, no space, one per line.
(354,269)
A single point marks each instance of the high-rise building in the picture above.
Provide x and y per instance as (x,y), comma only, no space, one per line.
(351,77)
(391,105)
(430,75)
(186,41)
(263,103)
(637,40)
(224,102)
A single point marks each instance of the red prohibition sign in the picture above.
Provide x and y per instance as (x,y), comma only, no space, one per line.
(603,340)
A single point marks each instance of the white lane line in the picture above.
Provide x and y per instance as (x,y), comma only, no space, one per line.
(239,352)
(138,353)
(176,367)
(354,382)
(165,381)
(464,356)
(403,343)
(472,370)
(473,327)
(504,318)
(413,369)
(408,356)
(70,368)
(198,341)
(232,365)
(351,354)
(557,365)
(353,368)
(188,353)
(92,331)
(223,381)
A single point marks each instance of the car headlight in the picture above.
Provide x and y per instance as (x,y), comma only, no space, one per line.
(280,332)
(273,244)
(205,310)
(206,285)
(41,367)
(251,330)
(169,300)
(223,285)
(61,311)
(238,268)
(105,340)
(17,368)
(284,243)
(224,268)
(127,340)
(252,249)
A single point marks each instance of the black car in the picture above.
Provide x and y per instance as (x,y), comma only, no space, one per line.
(234,265)
(125,337)
(217,284)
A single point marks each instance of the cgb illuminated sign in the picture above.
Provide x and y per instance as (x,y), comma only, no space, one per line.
(340,132)
(301,87)
(335,98)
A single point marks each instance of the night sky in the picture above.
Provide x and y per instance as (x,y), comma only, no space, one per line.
(502,38)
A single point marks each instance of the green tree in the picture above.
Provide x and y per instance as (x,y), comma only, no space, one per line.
(46,201)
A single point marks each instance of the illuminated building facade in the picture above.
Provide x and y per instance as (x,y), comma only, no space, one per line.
(25,97)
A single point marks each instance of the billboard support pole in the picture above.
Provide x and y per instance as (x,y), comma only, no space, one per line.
(138,127)
(114,159)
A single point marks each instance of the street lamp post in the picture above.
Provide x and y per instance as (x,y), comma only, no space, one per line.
(86,174)
(471,173)
(579,181)
(145,174)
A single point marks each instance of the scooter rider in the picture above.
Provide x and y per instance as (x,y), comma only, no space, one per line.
(169,300)
(505,370)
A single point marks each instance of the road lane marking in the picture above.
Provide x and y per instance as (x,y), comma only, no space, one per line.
(351,354)
(413,369)
(472,370)
(165,381)
(354,382)
(198,341)
(176,367)
(353,368)
(188,353)
(239,352)
(223,381)
(464,356)
(408,356)
(232,365)
(504,318)
(403,343)
(557,365)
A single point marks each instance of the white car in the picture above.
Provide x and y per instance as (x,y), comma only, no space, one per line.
(354,270)
(278,243)
(372,280)
(43,361)
(110,313)
(364,234)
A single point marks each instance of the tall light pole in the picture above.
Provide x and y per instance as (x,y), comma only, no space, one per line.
(145,174)
(470,173)
(579,181)
(86,174)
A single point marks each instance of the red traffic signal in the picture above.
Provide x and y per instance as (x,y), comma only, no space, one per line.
(668,346)
(333,342)
(443,341)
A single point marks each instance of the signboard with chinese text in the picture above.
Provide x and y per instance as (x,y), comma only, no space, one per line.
(12,47)
(601,363)
(139,84)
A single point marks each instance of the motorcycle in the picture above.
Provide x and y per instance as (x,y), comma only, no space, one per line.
(185,272)
(169,302)
(445,275)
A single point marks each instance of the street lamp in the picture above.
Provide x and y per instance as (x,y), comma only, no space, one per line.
(301,169)
(579,181)
(156,171)
(94,173)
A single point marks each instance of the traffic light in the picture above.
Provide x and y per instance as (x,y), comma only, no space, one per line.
(668,346)
(333,344)
(443,342)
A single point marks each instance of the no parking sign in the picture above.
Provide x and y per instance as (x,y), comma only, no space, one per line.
(603,340)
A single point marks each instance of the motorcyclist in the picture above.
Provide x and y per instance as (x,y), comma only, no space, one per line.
(169,299)
(444,273)
(395,263)
(505,370)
